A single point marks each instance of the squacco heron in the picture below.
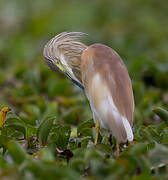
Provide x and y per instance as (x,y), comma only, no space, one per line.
(100,71)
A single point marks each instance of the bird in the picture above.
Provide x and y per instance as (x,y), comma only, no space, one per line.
(103,76)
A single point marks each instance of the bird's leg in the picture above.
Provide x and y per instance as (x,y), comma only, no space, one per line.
(118,149)
(97,130)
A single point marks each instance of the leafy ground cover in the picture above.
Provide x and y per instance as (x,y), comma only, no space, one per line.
(49,132)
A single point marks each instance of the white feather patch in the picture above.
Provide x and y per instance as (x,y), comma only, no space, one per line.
(105,105)
(128,128)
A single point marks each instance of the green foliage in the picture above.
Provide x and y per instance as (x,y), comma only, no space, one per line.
(16,151)
(163,114)
(60,136)
(49,133)
(44,129)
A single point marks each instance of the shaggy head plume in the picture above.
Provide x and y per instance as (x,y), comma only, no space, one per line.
(63,54)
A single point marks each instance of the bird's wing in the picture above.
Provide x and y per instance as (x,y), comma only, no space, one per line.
(103,105)
(108,88)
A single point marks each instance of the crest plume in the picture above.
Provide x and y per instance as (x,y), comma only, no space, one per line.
(65,47)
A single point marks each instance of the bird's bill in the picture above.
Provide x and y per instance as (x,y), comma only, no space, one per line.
(74,81)
(69,74)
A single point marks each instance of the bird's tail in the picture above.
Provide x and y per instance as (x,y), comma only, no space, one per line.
(120,127)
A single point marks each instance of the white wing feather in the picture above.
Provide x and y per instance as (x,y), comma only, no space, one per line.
(106,111)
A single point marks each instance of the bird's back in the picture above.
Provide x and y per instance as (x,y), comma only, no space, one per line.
(109,90)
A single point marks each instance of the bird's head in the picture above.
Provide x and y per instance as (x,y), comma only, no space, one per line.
(63,54)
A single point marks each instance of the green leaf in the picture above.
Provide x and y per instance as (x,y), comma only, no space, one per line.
(3,164)
(16,151)
(12,117)
(34,113)
(104,148)
(52,108)
(18,127)
(139,149)
(31,131)
(154,133)
(47,155)
(162,113)
(72,115)
(78,164)
(60,136)
(26,118)
(151,145)
(84,141)
(158,155)
(85,128)
(3,140)
(44,129)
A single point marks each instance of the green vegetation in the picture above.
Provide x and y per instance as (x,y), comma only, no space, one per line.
(49,133)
